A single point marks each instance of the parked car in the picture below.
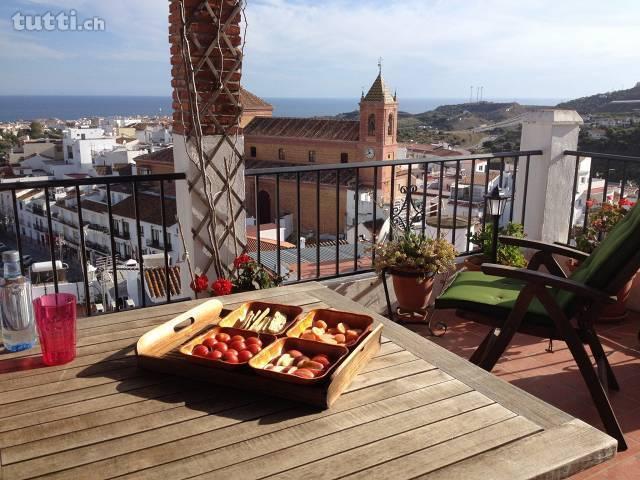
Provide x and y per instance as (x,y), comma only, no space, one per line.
(4,248)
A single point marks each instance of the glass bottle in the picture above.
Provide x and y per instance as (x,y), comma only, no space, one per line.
(16,307)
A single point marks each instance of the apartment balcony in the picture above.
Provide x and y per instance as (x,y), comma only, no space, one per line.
(98,228)
(122,235)
(38,211)
(158,245)
(60,219)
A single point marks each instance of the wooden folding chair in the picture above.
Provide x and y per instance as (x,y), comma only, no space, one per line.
(550,305)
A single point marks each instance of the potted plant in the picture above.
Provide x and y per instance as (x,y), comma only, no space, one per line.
(509,255)
(413,261)
(602,219)
(248,275)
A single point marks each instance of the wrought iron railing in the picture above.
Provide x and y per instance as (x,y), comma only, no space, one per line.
(600,178)
(73,186)
(394,203)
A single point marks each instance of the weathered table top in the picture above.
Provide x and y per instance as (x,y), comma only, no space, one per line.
(415,411)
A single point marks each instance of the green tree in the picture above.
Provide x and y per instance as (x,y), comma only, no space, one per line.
(37,130)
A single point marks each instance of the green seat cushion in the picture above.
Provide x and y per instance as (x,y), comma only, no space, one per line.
(496,296)
(489,295)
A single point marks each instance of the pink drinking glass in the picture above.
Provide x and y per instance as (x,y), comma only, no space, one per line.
(56,322)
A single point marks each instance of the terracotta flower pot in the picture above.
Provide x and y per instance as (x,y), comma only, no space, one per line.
(616,311)
(473,263)
(413,293)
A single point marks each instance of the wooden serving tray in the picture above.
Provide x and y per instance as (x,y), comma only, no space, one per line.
(158,350)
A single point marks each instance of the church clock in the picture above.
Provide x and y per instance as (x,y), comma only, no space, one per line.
(370,153)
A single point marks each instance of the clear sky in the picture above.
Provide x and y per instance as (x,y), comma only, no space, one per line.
(329,48)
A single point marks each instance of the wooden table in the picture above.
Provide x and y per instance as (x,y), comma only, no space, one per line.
(415,411)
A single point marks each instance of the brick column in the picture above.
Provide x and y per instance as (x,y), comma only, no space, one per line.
(206,72)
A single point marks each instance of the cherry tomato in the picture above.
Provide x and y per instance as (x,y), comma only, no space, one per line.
(215,355)
(253,348)
(245,356)
(223,337)
(221,346)
(254,341)
(237,338)
(230,358)
(238,346)
(200,351)
(232,351)
(209,342)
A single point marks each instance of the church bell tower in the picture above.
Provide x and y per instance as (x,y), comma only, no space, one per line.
(378,122)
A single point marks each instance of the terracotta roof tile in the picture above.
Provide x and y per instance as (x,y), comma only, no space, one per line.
(163,156)
(155,282)
(379,92)
(310,128)
(250,101)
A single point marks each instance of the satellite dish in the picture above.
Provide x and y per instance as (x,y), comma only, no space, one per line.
(384,232)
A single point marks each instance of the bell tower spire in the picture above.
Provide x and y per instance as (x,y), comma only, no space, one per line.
(378,121)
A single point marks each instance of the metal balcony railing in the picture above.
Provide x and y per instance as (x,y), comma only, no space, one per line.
(135,182)
(404,195)
(600,178)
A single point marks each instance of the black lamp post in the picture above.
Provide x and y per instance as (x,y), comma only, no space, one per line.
(496,204)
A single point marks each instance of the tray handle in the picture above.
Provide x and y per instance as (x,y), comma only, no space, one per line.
(180,325)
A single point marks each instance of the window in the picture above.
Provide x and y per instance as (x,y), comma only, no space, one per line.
(344,157)
(371,125)
(83,137)
(125,228)
(254,152)
(281,154)
(312,156)
(141,232)
(390,126)
(69,151)
(144,171)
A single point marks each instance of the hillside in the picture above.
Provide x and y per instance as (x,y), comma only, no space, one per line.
(601,102)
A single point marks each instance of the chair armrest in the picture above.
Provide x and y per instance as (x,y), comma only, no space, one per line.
(544,247)
(547,280)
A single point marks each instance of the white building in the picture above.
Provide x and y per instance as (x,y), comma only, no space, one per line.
(81,145)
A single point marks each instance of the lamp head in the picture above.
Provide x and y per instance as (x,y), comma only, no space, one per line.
(496,202)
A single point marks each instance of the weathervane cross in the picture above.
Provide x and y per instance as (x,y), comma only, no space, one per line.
(380,65)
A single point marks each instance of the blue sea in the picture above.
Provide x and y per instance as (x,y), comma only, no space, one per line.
(73,107)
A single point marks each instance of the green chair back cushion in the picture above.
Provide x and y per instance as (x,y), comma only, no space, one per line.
(606,261)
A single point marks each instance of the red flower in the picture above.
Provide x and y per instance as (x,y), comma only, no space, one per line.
(625,202)
(222,286)
(242,260)
(200,283)
(590,203)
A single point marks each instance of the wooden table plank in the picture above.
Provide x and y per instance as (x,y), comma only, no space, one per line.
(556,453)
(190,446)
(269,458)
(414,410)
(478,433)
